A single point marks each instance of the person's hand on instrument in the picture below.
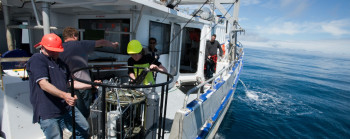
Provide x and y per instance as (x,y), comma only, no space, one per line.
(153,66)
(69,99)
(97,81)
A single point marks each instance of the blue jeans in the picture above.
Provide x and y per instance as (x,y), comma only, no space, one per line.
(84,101)
(53,128)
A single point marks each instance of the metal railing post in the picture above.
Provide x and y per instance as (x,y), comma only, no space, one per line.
(73,109)
(161,113)
(165,107)
(103,120)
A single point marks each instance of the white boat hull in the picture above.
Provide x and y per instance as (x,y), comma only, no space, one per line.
(16,111)
(202,117)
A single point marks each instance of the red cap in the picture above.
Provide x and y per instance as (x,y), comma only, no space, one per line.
(51,42)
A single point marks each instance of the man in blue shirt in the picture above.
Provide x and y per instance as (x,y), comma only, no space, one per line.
(76,56)
(49,79)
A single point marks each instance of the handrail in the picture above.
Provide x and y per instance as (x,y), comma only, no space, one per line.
(14,59)
(229,52)
(121,86)
(10,59)
(207,81)
(104,85)
(58,28)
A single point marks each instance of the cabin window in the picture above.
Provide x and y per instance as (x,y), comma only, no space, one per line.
(190,50)
(21,38)
(226,26)
(174,50)
(109,29)
(161,32)
(25,34)
(25,39)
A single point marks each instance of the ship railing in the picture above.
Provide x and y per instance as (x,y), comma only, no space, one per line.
(229,55)
(104,86)
(11,59)
(211,80)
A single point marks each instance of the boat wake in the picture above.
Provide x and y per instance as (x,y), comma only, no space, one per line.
(271,102)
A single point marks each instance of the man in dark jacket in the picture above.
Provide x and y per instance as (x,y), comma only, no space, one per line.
(211,56)
(75,55)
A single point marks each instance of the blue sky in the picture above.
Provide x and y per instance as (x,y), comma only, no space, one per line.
(307,25)
(311,25)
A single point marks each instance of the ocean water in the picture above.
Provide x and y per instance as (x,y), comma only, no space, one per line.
(290,94)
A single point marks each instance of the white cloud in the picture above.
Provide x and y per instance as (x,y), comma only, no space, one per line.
(281,28)
(276,27)
(332,35)
(252,37)
(299,8)
(285,3)
(261,36)
(338,47)
(250,2)
(290,8)
(243,19)
(337,27)
(289,28)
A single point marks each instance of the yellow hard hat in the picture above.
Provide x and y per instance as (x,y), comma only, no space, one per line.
(134,47)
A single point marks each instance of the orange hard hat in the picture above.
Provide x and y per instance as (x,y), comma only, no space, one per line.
(51,42)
